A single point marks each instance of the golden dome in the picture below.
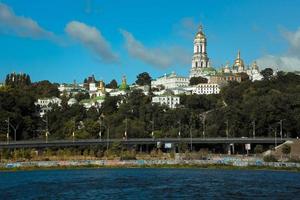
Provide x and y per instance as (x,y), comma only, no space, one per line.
(254,66)
(200,34)
(238,61)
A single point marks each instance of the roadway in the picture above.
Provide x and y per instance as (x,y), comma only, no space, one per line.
(139,141)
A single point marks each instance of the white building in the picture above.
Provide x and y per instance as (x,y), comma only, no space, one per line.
(92,87)
(170,81)
(71,89)
(206,88)
(95,102)
(46,104)
(170,101)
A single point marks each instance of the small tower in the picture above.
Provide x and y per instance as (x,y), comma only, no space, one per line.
(227,68)
(255,66)
(101,87)
(124,85)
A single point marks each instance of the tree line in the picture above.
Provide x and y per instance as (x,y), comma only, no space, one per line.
(241,109)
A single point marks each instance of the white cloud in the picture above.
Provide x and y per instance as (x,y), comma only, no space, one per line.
(161,57)
(289,61)
(91,38)
(21,26)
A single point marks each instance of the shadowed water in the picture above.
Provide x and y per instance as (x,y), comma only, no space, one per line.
(149,184)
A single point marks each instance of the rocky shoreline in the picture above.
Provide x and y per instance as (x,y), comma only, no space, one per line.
(74,164)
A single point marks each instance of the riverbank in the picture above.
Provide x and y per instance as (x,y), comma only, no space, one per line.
(201,164)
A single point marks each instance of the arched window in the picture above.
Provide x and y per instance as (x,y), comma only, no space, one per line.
(196,64)
(197,49)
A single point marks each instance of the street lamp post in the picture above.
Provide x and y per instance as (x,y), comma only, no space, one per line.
(152,132)
(126,128)
(107,139)
(227,129)
(203,122)
(179,131)
(253,131)
(7,135)
(15,128)
(100,133)
(47,136)
(281,128)
(191,135)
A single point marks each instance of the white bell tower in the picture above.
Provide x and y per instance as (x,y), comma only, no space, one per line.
(200,59)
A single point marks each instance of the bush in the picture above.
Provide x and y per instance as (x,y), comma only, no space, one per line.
(258,149)
(286,149)
(127,155)
(270,158)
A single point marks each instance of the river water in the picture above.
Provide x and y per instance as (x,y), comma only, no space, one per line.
(149,184)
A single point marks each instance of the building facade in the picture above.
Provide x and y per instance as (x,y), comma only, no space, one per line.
(45,105)
(170,101)
(206,88)
(170,81)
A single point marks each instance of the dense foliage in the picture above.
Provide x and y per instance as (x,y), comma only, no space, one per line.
(237,108)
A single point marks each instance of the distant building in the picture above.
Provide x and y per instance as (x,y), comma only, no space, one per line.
(239,67)
(224,78)
(170,101)
(206,88)
(71,89)
(144,88)
(45,105)
(94,102)
(170,81)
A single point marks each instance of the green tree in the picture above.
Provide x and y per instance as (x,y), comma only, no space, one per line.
(143,79)
(198,80)
(267,73)
(258,149)
(113,84)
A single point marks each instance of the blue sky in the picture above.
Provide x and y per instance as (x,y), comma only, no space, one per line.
(63,40)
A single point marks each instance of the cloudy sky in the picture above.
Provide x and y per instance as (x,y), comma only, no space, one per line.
(66,40)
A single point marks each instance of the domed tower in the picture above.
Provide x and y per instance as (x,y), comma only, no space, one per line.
(101,87)
(238,65)
(255,66)
(200,59)
(227,68)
